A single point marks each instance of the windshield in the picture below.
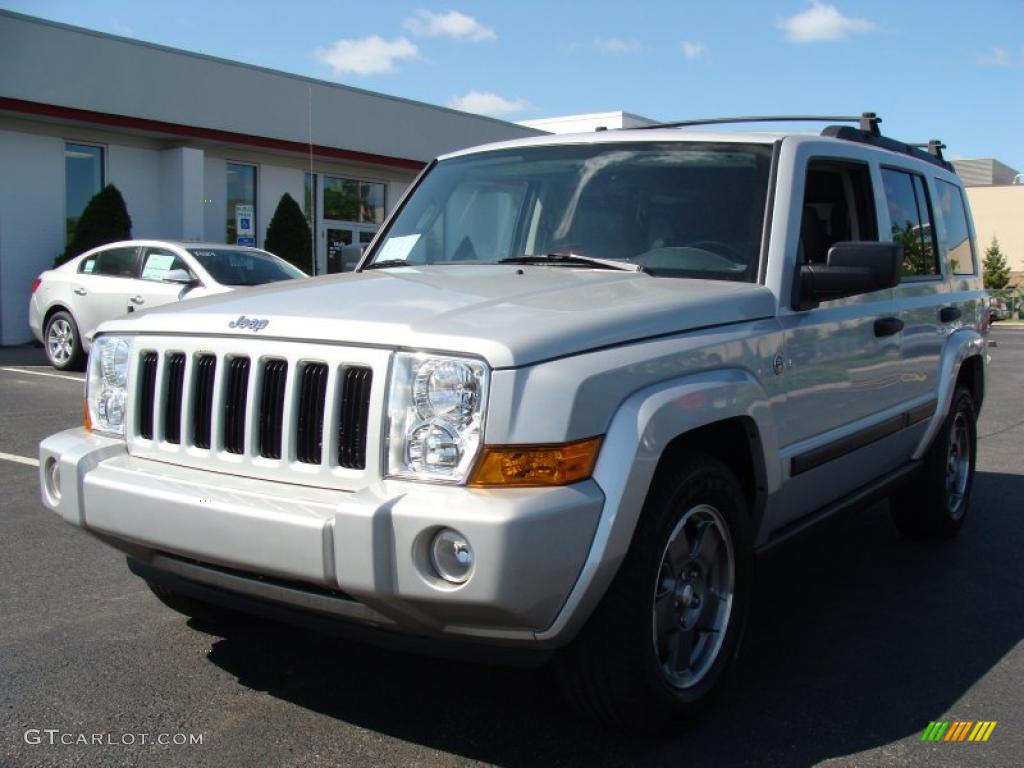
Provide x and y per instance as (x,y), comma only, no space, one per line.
(679,209)
(239,266)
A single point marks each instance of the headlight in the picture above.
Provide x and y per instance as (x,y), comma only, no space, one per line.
(435,410)
(106,386)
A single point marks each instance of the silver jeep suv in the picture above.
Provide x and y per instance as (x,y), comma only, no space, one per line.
(575,386)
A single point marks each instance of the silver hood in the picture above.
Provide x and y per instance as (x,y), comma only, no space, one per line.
(509,315)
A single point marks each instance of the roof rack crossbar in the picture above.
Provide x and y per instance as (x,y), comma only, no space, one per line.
(868,121)
(933,146)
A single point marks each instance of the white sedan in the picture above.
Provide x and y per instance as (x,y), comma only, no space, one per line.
(69,302)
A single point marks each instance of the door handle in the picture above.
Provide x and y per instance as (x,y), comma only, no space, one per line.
(136,299)
(887,326)
(81,291)
(949,314)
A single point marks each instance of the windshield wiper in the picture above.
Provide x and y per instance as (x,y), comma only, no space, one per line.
(386,263)
(573,258)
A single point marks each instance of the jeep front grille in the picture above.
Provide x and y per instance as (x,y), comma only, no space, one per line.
(295,412)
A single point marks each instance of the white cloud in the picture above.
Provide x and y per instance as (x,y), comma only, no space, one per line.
(1001,57)
(692,50)
(822,22)
(488,103)
(370,55)
(457,26)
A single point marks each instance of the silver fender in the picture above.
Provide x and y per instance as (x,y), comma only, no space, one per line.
(961,344)
(642,427)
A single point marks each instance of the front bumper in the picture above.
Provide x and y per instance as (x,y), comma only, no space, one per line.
(360,557)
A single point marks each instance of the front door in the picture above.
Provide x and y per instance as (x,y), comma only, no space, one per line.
(336,236)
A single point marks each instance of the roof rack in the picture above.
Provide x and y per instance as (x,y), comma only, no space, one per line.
(866,132)
(868,121)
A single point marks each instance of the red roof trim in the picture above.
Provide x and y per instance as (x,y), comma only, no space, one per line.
(210,134)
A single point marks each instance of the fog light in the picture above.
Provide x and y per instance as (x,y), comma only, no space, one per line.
(451,556)
(51,475)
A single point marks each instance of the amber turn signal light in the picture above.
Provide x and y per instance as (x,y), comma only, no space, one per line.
(533,466)
(86,421)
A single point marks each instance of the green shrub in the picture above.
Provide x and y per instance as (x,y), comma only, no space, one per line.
(996,270)
(104,220)
(288,235)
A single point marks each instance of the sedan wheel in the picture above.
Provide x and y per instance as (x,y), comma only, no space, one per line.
(63,347)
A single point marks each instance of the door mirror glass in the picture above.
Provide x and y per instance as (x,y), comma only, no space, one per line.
(182,276)
(851,268)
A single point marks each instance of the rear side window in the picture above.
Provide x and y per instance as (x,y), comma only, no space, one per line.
(911,220)
(116,262)
(954,214)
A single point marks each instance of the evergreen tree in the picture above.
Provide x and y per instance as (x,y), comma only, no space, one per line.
(996,270)
(104,220)
(288,235)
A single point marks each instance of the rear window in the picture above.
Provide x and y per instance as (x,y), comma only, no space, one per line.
(116,262)
(241,266)
(911,220)
(958,236)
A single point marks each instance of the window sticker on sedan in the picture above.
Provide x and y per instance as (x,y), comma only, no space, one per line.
(157,265)
(397,248)
(89,266)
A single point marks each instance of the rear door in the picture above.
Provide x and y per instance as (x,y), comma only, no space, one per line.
(921,293)
(101,287)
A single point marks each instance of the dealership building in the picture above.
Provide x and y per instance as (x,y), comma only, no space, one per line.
(195,145)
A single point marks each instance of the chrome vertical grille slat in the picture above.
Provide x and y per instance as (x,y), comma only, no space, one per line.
(202,400)
(173,397)
(297,412)
(235,401)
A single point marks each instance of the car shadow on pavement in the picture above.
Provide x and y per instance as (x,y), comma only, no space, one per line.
(858,639)
(23,354)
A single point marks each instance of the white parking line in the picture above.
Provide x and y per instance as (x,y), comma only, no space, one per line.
(43,373)
(19,459)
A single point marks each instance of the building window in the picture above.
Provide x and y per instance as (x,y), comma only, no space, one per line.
(241,198)
(83,178)
(351,200)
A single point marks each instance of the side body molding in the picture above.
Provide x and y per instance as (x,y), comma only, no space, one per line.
(961,345)
(643,426)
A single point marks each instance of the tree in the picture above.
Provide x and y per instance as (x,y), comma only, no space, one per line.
(104,220)
(288,235)
(996,270)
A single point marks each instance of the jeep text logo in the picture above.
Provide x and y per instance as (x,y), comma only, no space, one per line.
(249,322)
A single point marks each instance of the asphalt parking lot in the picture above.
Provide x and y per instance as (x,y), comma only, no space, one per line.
(859,639)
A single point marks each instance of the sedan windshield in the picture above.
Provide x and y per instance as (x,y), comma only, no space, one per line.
(242,266)
(672,208)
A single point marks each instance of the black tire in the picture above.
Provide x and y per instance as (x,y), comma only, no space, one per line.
(205,613)
(63,343)
(935,504)
(613,670)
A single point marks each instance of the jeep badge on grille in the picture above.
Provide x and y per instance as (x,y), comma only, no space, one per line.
(249,322)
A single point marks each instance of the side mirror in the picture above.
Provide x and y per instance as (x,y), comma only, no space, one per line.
(852,268)
(182,276)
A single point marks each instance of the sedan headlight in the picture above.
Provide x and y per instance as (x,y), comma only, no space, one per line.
(436,412)
(106,386)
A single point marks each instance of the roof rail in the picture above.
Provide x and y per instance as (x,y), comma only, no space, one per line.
(868,121)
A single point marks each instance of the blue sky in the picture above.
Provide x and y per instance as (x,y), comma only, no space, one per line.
(952,70)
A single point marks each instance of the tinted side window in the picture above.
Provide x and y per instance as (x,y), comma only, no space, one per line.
(838,206)
(911,220)
(157,263)
(954,214)
(117,262)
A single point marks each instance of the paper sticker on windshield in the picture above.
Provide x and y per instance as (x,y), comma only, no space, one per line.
(397,248)
(157,265)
